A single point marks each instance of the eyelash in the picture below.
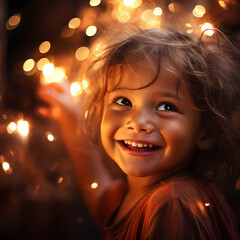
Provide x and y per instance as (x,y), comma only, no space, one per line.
(174,108)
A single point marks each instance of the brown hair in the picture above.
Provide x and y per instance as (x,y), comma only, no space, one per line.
(207,68)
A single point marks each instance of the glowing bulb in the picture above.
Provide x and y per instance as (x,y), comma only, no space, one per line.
(82,53)
(132,3)
(48,69)
(13,22)
(28,65)
(199,11)
(41,63)
(208,29)
(91,31)
(123,16)
(44,47)
(50,137)
(94,185)
(157,11)
(74,23)
(94,3)
(222,4)
(84,84)
(23,127)
(60,180)
(207,204)
(5,166)
(75,88)
(11,127)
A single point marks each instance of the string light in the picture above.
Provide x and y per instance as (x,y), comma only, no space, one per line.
(28,65)
(91,31)
(44,47)
(5,166)
(75,88)
(94,3)
(74,23)
(82,53)
(199,11)
(157,11)
(222,4)
(208,29)
(50,137)
(11,127)
(41,63)
(94,185)
(13,21)
(23,127)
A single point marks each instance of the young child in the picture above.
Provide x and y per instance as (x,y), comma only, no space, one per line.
(160,106)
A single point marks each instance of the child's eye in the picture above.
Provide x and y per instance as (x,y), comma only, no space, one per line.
(123,101)
(166,107)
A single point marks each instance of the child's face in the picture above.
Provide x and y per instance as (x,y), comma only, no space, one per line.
(150,131)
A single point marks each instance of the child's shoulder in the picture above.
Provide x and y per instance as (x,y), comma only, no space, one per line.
(185,188)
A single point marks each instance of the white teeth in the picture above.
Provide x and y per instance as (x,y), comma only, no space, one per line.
(134,144)
(139,145)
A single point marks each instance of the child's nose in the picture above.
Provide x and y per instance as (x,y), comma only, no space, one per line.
(140,122)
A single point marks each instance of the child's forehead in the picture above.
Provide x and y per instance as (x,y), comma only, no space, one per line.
(139,74)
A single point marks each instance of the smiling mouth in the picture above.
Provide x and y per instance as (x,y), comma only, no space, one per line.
(140,147)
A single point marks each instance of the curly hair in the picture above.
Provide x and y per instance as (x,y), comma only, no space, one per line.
(207,68)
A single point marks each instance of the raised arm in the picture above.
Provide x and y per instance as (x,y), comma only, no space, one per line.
(86,158)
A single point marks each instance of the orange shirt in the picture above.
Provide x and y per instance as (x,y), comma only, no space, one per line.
(180,207)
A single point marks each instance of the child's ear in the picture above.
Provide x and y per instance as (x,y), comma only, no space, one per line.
(206,139)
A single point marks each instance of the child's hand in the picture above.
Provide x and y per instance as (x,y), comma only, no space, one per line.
(59,100)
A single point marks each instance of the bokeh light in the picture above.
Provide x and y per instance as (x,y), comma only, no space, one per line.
(13,21)
(75,88)
(44,47)
(23,127)
(82,53)
(74,23)
(41,63)
(208,29)
(157,11)
(48,69)
(91,31)
(94,3)
(28,65)
(94,185)
(199,11)
(11,127)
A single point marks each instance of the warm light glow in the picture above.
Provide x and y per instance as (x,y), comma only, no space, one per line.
(222,4)
(150,20)
(55,75)
(208,29)
(23,127)
(50,137)
(28,65)
(189,27)
(11,127)
(41,63)
(199,11)
(82,53)
(60,180)
(94,185)
(123,16)
(5,166)
(174,7)
(132,3)
(94,3)
(13,22)
(207,204)
(157,11)
(91,31)
(74,23)
(48,69)
(84,84)
(44,47)
(98,49)
(75,88)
